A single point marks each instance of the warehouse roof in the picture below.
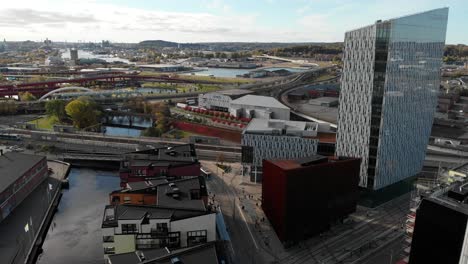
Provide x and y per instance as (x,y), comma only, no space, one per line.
(13,165)
(257,100)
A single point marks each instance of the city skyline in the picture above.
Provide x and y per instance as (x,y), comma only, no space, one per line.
(209,20)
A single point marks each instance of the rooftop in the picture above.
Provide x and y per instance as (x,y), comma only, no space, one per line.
(257,100)
(178,194)
(205,253)
(13,165)
(230,92)
(275,126)
(291,164)
(163,156)
(113,213)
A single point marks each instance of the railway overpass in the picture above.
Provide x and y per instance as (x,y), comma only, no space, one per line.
(41,88)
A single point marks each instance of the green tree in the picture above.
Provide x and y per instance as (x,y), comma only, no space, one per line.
(83,112)
(56,108)
(161,114)
(151,132)
(26,96)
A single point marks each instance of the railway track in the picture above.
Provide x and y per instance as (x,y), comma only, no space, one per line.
(350,244)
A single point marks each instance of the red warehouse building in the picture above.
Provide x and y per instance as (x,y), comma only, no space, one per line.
(20,174)
(301,198)
(172,162)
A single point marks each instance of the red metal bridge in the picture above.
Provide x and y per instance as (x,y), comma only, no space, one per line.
(41,88)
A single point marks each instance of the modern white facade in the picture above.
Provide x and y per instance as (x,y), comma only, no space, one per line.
(277,139)
(285,127)
(255,106)
(220,100)
(127,228)
(388,95)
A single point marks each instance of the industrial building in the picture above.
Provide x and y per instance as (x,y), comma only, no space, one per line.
(440,229)
(388,95)
(303,197)
(172,162)
(220,100)
(128,228)
(20,174)
(255,106)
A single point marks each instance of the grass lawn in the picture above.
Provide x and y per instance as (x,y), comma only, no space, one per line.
(45,122)
(179,134)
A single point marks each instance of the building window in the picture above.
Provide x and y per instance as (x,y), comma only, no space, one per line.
(127,199)
(129,229)
(196,237)
(109,250)
(108,239)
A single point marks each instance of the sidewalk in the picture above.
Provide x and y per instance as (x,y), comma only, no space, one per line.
(249,196)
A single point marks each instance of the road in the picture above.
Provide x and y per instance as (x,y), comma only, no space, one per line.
(244,246)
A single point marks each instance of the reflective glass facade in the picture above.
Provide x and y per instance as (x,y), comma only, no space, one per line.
(389,93)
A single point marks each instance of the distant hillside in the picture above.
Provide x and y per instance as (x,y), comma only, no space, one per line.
(158,44)
(167,44)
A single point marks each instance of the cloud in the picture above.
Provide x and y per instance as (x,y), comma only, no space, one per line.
(26,17)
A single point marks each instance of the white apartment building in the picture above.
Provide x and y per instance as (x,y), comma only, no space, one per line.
(127,228)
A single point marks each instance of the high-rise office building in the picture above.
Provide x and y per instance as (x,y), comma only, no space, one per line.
(74,56)
(390,82)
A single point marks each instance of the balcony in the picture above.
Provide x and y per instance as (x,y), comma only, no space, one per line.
(159,232)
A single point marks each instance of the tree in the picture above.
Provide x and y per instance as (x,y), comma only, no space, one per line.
(8,107)
(161,114)
(26,96)
(83,112)
(151,132)
(56,108)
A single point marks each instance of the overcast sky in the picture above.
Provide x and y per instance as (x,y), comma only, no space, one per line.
(211,20)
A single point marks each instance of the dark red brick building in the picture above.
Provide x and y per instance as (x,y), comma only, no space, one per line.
(301,198)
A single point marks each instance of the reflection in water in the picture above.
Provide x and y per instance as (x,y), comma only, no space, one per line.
(128,132)
(75,233)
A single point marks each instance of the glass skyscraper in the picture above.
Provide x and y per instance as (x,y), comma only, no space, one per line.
(389,88)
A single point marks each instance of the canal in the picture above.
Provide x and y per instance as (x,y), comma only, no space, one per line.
(75,233)
(123,131)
